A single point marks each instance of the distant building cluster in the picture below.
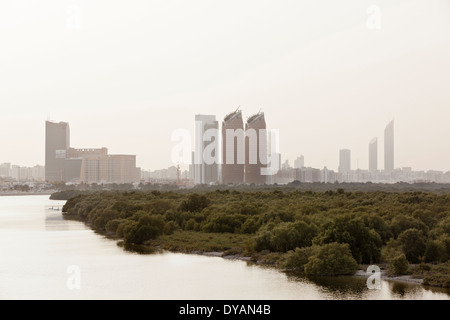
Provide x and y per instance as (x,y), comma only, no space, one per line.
(288,174)
(66,164)
(345,173)
(22,174)
(170,175)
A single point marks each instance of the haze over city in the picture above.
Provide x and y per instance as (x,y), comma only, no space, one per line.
(267,151)
(126,77)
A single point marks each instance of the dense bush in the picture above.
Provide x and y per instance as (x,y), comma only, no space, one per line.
(392,249)
(286,236)
(365,244)
(195,203)
(147,227)
(331,259)
(170,227)
(403,222)
(435,251)
(414,244)
(112,225)
(222,223)
(298,258)
(99,219)
(399,265)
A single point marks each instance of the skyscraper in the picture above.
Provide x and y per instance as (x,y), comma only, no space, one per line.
(206,144)
(373,155)
(345,161)
(299,162)
(255,149)
(389,147)
(57,144)
(233,148)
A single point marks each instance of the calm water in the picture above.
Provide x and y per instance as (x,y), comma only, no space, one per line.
(37,246)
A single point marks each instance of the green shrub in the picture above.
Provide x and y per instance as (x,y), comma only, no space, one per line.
(298,258)
(146,228)
(112,225)
(332,259)
(378,224)
(125,227)
(413,243)
(286,236)
(225,223)
(100,217)
(251,225)
(435,251)
(190,224)
(159,206)
(170,227)
(399,265)
(365,244)
(402,222)
(195,203)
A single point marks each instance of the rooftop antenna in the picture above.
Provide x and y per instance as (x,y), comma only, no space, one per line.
(237,108)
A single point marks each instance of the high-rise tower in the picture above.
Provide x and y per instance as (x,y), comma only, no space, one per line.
(373,155)
(57,144)
(206,144)
(389,147)
(345,161)
(233,148)
(255,149)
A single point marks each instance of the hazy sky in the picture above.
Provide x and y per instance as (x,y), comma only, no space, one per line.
(126,74)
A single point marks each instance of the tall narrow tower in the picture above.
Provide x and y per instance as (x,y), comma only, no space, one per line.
(233,148)
(255,149)
(373,155)
(206,172)
(57,144)
(345,161)
(389,147)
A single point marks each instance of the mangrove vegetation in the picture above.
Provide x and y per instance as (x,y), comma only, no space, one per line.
(315,233)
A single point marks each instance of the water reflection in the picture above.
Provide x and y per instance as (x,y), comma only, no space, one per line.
(54,220)
(399,289)
(342,287)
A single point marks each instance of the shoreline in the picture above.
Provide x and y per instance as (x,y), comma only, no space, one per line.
(15,194)
(384,276)
(152,249)
(360,273)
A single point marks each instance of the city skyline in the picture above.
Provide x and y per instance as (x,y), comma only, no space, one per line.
(135,91)
(213,174)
